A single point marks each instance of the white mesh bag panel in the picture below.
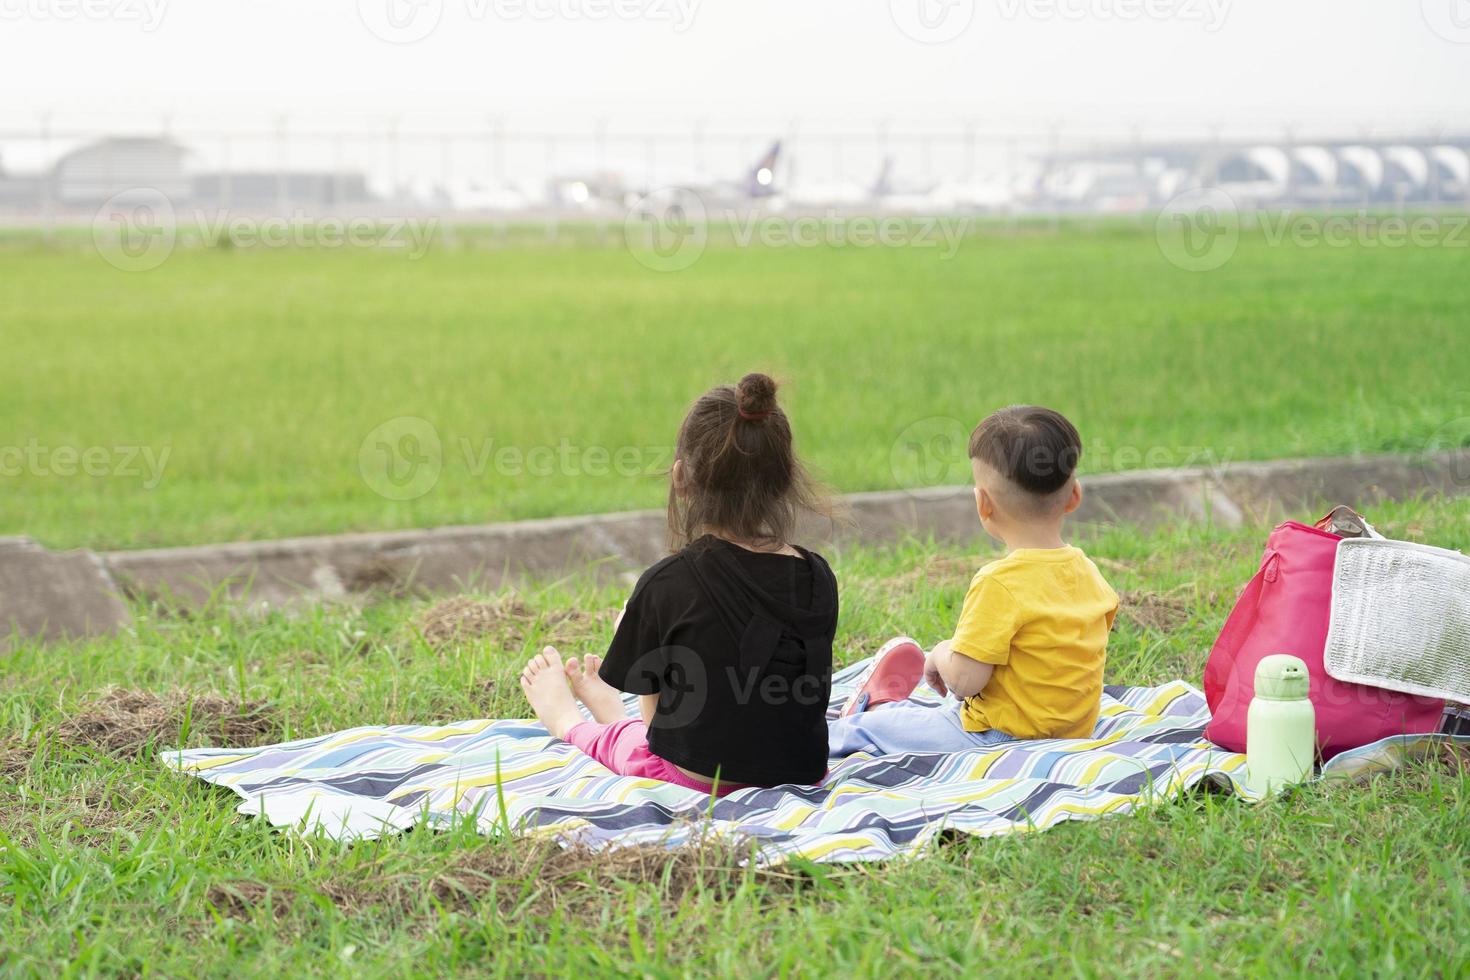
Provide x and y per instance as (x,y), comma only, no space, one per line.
(1401,618)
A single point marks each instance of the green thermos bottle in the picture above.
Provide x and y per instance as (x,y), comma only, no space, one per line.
(1281,726)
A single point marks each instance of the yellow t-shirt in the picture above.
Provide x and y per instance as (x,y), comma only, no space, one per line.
(1041,616)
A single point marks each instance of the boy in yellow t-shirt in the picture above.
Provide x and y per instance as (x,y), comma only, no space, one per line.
(1027,657)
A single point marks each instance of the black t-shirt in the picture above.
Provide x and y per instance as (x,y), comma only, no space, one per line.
(738,647)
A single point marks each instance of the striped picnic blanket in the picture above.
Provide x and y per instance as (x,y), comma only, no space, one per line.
(365,782)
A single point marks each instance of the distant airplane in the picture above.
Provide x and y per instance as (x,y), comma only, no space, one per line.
(756,183)
(991,192)
(604,190)
(1102,186)
(610,191)
(893,194)
(474,195)
(890,193)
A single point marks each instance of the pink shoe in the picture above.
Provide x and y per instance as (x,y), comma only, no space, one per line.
(895,671)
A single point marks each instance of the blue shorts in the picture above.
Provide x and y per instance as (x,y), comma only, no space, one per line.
(907,726)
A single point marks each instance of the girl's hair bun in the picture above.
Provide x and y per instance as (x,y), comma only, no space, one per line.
(756,396)
(741,478)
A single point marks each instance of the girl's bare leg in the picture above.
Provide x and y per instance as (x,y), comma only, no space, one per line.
(600,697)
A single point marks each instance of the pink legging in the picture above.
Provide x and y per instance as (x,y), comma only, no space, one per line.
(622,746)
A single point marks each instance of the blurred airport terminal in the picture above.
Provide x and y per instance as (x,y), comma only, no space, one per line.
(54,175)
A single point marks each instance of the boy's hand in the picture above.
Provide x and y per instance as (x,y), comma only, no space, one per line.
(931,674)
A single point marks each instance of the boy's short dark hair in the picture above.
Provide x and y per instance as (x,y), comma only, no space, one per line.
(1035,448)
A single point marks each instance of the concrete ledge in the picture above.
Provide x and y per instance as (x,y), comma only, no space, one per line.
(437,560)
(453,558)
(619,545)
(55,595)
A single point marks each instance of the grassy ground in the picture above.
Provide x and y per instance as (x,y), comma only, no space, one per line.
(235,393)
(112,865)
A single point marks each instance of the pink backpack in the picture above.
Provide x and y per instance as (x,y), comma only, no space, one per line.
(1286,609)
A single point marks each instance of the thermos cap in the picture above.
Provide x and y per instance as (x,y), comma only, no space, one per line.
(1282,677)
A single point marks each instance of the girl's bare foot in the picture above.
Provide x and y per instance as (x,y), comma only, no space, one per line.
(545,684)
(600,697)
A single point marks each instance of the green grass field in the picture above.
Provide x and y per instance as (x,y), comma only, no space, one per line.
(235,394)
(109,865)
(228,393)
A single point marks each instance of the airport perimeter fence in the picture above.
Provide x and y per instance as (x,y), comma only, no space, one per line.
(517,183)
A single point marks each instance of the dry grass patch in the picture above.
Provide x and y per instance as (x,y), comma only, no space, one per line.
(527,876)
(95,809)
(541,876)
(15,759)
(936,570)
(453,622)
(125,723)
(380,577)
(241,899)
(1163,612)
(102,806)
(461,618)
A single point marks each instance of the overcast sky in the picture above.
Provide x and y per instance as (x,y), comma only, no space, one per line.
(1357,63)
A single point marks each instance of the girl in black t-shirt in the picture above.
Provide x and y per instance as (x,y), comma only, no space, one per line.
(728,641)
